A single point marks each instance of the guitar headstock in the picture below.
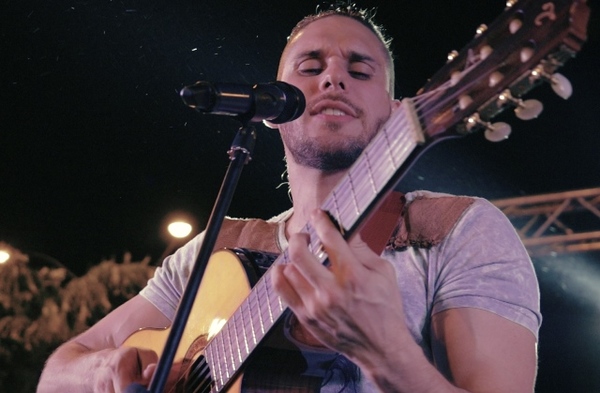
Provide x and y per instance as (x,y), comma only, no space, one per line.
(522,48)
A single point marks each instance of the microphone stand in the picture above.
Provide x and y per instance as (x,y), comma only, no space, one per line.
(239,154)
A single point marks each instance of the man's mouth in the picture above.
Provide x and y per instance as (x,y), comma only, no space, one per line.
(333,108)
(332,112)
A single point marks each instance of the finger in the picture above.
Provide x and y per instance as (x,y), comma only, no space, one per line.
(147,373)
(340,254)
(146,357)
(131,365)
(344,254)
(308,273)
(283,287)
(147,360)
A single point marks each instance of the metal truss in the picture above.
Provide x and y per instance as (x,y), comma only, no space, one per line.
(557,223)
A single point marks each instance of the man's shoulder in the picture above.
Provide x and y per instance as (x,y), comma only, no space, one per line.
(428,217)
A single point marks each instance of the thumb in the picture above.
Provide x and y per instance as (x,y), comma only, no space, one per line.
(148,372)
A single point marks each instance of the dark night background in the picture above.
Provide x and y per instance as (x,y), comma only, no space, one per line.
(96,147)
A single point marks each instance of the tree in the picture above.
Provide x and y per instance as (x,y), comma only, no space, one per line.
(40,309)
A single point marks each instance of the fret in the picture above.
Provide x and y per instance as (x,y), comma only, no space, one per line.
(277,305)
(250,314)
(337,213)
(260,311)
(388,151)
(227,355)
(260,295)
(214,368)
(281,305)
(236,335)
(357,209)
(218,364)
(269,305)
(370,172)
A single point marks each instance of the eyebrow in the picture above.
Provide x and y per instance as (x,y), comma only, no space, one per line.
(356,57)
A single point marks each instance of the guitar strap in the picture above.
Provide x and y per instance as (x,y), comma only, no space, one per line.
(378,229)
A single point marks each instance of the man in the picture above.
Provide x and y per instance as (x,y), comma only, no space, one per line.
(459,314)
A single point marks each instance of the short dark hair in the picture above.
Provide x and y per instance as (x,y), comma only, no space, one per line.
(350,10)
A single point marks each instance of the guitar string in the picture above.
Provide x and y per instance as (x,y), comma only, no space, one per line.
(360,188)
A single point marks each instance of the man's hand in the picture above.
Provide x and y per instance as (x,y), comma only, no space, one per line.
(122,367)
(355,306)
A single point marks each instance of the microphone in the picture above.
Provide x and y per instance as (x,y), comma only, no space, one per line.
(278,102)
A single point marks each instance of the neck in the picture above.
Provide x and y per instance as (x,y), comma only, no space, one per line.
(309,188)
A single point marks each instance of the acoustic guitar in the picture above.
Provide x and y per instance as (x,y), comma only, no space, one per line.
(523,47)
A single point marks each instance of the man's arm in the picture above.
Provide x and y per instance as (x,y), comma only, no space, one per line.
(94,360)
(483,349)
(484,352)
(355,308)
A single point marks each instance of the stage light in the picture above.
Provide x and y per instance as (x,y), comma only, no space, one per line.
(179,229)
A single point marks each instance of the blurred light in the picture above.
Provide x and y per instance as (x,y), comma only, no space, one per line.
(577,275)
(179,229)
(4,256)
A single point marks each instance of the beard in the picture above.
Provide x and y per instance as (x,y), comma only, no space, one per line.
(310,154)
(331,157)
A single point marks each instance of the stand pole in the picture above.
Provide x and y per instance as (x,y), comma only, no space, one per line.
(239,154)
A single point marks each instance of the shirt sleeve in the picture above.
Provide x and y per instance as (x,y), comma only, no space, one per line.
(165,288)
(483,264)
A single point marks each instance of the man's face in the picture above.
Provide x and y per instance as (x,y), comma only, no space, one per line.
(341,68)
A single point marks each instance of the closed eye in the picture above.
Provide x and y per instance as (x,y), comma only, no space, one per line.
(310,71)
(360,75)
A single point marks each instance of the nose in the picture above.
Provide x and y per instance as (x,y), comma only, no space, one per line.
(333,78)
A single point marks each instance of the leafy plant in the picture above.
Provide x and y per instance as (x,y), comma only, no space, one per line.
(42,308)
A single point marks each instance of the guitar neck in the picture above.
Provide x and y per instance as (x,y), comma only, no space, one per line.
(375,173)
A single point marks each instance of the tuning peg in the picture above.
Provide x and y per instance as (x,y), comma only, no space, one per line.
(480,30)
(451,56)
(525,110)
(515,25)
(559,83)
(485,51)
(510,3)
(529,109)
(493,132)
(495,78)
(497,132)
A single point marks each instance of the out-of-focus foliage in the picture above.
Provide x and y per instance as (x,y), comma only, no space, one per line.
(42,308)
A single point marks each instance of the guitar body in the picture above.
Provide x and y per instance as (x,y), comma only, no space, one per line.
(228,279)
(224,286)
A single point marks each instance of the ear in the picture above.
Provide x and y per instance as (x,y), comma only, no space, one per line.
(270,125)
(396,104)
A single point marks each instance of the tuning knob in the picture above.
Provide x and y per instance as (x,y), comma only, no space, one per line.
(493,132)
(497,132)
(480,30)
(510,3)
(453,54)
(559,83)
(525,110)
(529,109)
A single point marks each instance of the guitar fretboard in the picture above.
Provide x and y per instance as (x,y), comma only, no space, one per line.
(347,204)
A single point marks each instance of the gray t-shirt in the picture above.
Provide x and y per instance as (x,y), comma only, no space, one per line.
(481,263)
